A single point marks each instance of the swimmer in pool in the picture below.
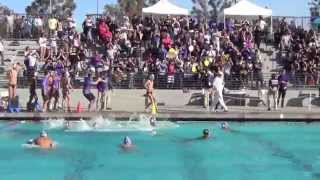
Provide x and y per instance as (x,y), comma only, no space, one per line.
(152,121)
(127,143)
(205,134)
(68,125)
(43,141)
(225,126)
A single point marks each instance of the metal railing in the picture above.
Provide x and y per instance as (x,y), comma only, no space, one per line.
(185,81)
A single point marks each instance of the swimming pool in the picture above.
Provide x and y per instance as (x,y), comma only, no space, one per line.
(252,151)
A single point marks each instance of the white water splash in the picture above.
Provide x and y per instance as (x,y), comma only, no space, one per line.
(54,124)
(81,126)
(135,123)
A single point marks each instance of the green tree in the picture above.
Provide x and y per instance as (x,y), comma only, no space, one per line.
(113,10)
(60,8)
(200,8)
(148,3)
(314,3)
(314,7)
(134,7)
(210,8)
(4,10)
(130,7)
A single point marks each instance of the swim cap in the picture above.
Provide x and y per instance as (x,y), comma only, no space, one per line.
(153,132)
(224,125)
(127,141)
(206,131)
(30,141)
(151,77)
(44,134)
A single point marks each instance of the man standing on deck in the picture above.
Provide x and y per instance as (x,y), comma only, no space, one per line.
(283,80)
(217,87)
(104,87)
(273,91)
(13,80)
(149,92)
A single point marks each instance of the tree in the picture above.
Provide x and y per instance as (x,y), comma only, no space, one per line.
(134,7)
(130,7)
(4,10)
(210,9)
(314,7)
(113,10)
(148,3)
(200,8)
(314,3)
(60,8)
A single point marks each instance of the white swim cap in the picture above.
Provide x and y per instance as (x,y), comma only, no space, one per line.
(153,132)
(44,134)
(224,125)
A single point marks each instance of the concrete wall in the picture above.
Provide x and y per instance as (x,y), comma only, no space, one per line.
(133,100)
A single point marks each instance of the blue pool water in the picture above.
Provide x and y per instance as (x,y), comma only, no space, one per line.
(252,151)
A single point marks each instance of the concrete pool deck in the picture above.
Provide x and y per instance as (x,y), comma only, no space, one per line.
(186,115)
(175,105)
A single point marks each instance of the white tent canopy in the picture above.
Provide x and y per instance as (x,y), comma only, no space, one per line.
(246,8)
(164,7)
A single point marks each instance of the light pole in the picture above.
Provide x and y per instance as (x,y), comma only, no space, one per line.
(97,8)
(50,7)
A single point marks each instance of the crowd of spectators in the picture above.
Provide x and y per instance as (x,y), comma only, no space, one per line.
(299,53)
(181,52)
(22,26)
(178,50)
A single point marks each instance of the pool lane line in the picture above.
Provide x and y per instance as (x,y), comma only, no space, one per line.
(276,149)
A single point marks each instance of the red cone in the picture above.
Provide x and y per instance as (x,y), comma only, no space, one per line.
(79,108)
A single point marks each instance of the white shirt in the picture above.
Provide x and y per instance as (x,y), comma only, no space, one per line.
(71,23)
(42,42)
(286,40)
(111,52)
(123,36)
(38,22)
(218,84)
(216,40)
(10,20)
(1,47)
(207,37)
(262,24)
(32,61)
(53,42)
(89,22)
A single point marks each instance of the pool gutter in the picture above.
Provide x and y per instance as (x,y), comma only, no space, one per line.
(173,116)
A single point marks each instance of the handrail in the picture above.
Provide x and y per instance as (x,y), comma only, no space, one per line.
(181,81)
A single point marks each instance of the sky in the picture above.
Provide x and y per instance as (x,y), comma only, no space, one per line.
(279,7)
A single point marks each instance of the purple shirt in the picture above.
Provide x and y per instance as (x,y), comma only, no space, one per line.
(283,81)
(95,61)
